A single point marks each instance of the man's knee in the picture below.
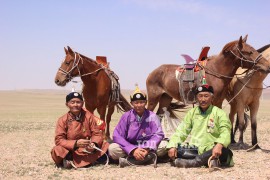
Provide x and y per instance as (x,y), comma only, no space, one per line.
(115,151)
(162,150)
(58,153)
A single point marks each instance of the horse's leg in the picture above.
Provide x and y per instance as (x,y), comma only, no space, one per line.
(240,116)
(153,97)
(108,120)
(231,116)
(164,101)
(90,108)
(102,112)
(253,117)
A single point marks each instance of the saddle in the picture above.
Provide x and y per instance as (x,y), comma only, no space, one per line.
(186,74)
(115,92)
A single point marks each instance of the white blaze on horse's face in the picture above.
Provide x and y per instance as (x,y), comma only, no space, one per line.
(67,70)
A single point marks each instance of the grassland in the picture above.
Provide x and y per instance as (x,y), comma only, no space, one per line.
(27,122)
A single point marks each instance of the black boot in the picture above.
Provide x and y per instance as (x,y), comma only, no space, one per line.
(150,158)
(198,161)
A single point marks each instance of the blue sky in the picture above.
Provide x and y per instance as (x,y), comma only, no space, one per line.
(136,35)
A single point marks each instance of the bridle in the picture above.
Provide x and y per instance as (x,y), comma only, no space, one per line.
(77,60)
(243,58)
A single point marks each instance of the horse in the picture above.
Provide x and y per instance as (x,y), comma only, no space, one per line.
(96,85)
(244,92)
(163,87)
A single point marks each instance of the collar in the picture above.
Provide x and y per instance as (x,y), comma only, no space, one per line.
(77,118)
(207,110)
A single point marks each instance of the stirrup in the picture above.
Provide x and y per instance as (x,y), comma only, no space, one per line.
(153,160)
(214,163)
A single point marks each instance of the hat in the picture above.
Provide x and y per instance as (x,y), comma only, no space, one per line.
(204,88)
(137,95)
(73,95)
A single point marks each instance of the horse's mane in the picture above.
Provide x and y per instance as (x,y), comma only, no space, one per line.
(263,48)
(229,46)
(89,59)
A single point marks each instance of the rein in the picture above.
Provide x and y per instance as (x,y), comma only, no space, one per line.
(244,85)
(76,65)
(243,58)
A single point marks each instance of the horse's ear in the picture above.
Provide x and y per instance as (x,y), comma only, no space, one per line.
(66,50)
(240,43)
(70,50)
(245,38)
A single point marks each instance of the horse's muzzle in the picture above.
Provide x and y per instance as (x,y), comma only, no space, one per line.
(60,83)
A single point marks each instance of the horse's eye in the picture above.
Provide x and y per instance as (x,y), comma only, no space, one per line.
(67,63)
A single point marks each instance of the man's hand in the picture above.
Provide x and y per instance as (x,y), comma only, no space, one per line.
(139,153)
(172,153)
(217,150)
(82,143)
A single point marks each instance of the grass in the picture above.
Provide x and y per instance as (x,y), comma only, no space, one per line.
(27,123)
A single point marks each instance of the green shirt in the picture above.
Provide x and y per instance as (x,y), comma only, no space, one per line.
(205,129)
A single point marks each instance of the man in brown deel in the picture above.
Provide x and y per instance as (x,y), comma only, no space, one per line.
(78,136)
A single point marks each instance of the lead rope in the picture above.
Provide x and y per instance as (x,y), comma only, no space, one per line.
(107,161)
(238,91)
(155,161)
(210,165)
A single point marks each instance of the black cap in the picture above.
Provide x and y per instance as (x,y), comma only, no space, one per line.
(138,96)
(204,88)
(73,95)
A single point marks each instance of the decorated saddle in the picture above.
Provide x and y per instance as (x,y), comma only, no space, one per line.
(191,75)
(115,92)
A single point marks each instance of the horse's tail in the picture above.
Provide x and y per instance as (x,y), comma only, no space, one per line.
(246,119)
(123,105)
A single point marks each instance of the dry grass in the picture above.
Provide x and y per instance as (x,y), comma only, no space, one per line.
(27,135)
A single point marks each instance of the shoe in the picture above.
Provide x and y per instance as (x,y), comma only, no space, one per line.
(67,164)
(199,160)
(123,162)
(152,159)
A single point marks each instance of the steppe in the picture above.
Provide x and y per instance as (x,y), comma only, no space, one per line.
(27,123)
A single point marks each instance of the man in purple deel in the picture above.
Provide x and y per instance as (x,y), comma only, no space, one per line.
(137,135)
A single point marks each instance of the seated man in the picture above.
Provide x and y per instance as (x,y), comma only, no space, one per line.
(209,129)
(137,135)
(78,136)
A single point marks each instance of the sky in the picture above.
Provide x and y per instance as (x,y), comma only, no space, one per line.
(136,36)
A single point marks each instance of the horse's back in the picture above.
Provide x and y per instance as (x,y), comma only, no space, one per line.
(157,73)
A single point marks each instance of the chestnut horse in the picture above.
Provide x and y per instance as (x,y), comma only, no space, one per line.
(244,92)
(162,85)
(97,84)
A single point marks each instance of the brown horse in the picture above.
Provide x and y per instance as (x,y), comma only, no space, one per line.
(97,84)
(162,85)
(244,92)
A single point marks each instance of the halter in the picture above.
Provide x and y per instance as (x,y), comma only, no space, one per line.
(243,58)
(76,62)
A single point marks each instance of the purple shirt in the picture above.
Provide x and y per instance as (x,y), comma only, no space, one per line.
(131,133)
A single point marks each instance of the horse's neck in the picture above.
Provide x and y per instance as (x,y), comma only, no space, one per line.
(222,65)
(257,79)
(88,68)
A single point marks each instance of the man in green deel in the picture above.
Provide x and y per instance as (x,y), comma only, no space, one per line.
(208,129)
